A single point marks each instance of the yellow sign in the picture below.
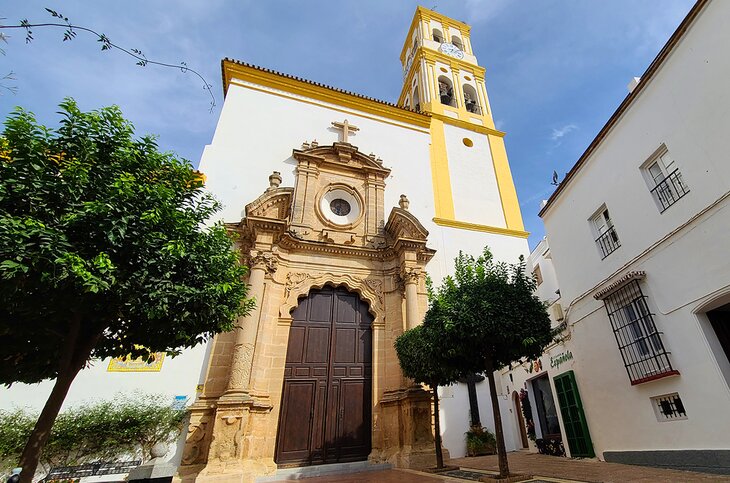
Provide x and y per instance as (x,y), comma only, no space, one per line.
(126,364)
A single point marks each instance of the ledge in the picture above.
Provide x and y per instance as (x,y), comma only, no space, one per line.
(465,225)
(655,377)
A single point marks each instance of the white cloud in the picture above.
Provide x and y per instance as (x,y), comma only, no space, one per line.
(562,131)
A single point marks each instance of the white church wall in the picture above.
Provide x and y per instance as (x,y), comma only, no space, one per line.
(257,131)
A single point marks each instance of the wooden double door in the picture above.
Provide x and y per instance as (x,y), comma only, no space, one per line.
(326,401)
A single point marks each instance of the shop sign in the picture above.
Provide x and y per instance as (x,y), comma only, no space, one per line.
(558,359)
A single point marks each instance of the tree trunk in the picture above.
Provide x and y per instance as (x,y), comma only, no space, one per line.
(437,428)
(498,432)
(76,353)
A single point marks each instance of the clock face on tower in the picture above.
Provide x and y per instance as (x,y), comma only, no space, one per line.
(452,50)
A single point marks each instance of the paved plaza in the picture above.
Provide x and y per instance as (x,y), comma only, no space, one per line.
(543,468)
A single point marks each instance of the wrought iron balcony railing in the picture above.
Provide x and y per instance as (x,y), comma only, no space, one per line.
(608,242)
(669,190)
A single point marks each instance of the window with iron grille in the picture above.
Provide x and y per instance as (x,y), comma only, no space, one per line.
(607,240)
(664,179)
(668,407)
(639,341)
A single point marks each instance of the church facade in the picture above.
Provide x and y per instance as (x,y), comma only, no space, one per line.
(342,206)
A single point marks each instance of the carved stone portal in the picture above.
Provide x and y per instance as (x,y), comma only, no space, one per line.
(293,245)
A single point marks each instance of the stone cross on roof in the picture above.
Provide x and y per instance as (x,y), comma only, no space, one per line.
(347,129)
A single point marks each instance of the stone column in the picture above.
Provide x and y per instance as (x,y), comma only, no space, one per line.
(413,317)
(241,363)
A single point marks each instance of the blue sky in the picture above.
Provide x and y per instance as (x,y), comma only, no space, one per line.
(556,69)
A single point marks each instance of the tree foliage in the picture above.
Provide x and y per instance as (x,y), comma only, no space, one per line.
(126,427)
(491,313)
(104,251)
(490,317)
(101,227)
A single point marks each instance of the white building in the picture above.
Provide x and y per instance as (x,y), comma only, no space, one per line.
(638,234)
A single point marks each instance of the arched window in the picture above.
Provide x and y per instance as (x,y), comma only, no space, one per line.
(407,103)
(471,100)
(416,99)
(438,36)
(457,42)
(446,91)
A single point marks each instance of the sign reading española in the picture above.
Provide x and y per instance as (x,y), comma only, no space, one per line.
(558,359)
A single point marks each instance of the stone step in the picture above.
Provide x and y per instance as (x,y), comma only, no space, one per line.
(322,470)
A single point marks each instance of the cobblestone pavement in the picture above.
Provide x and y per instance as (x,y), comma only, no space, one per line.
(588,470)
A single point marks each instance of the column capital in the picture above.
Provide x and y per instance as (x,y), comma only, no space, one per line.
(411,275)
(261,260)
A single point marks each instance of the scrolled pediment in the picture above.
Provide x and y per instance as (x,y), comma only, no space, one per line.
(341,155)
(403,225)
(273,204)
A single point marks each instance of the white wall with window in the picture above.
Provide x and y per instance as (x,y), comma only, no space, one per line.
(639,234)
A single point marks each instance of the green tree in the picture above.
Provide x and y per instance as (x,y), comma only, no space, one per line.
(490,314)
(426,358)
(104,251)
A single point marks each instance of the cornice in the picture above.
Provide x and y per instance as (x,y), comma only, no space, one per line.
(468,125)
(464,225)
(274,80)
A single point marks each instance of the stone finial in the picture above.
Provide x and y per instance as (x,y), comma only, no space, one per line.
(379,161)
(314,144)
(158,450)
(371,156)
(274,180)
(403,202)
(305,145)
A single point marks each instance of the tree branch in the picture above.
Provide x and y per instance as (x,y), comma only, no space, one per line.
(107,44)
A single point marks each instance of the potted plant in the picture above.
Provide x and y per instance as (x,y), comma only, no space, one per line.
(480,441)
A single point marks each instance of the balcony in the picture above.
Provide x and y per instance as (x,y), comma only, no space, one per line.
(669,190)
(608,242)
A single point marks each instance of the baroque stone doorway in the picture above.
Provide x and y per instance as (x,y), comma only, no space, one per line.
(326,401)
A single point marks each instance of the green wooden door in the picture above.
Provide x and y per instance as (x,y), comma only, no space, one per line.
(574,420)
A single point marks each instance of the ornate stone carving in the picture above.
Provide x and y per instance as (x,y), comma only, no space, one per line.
(294,280)
(227,444)
(195,447)
(263,260)
(369,290)
(241,366)
(411,275)
(376,286)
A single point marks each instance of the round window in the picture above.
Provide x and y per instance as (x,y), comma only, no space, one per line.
(467,142)
(340,207)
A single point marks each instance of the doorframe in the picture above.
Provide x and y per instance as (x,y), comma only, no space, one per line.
(521,428)
(366,292)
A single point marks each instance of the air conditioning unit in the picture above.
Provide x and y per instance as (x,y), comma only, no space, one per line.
(557,311)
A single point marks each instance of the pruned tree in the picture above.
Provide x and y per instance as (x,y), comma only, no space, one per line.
(104,252)
(426,357)
(491,317)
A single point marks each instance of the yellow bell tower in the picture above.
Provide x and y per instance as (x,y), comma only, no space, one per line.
(472,181)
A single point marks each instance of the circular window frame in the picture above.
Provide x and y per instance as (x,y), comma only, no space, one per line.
(468,142)
(349,194)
